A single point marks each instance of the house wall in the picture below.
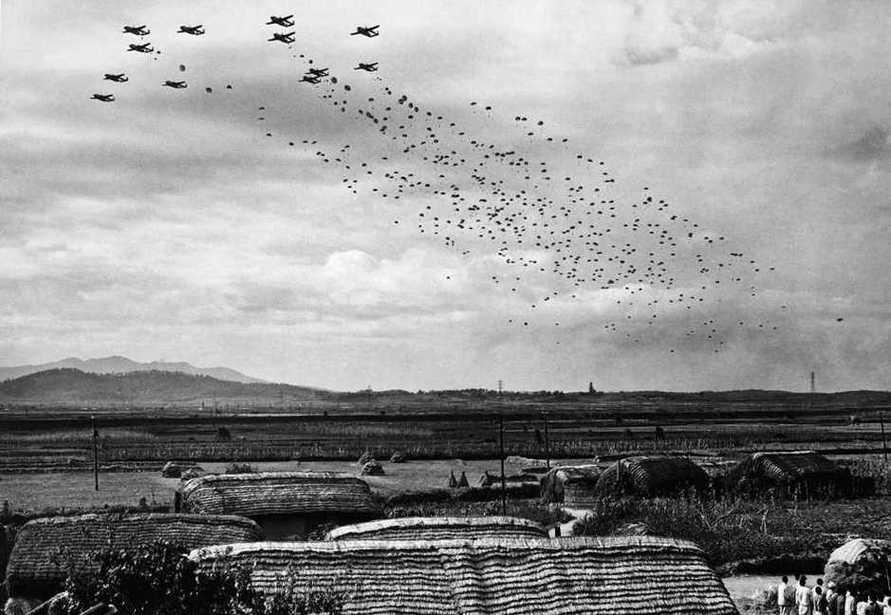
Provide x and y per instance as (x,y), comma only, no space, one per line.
(297,527)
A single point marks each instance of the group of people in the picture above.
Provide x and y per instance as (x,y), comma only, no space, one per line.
(797,598)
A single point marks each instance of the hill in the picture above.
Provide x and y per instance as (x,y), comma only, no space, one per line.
(72,386)
(122,365)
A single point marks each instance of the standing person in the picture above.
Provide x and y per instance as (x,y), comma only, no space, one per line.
(832,597)
(850,603)
(820,603)
(872,607)
(819,586)
(804,597)
(783,603)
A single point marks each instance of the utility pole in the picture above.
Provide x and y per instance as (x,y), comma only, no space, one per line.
(884,446)
(547,443)
(95,453)
(501,456)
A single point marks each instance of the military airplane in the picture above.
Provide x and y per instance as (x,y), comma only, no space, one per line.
(177,85)
(119,78)
(369,31)
(311,79)
(319,72)
(193,30)
(143,48)
(370,67)
(137,30)
(282,37)
(285,22)
(103,97)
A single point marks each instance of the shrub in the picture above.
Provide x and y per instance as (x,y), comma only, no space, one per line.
(159,579)
(154,579)
(240,468)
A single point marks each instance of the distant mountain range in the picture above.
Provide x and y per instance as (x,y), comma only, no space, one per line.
(122,365)
(71,386)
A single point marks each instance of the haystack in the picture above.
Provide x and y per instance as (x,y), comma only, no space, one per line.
(372,468)
(44,547)
(440,528)
(553,484)
(283,503)
(594,576)
(648,476)
(862,565)
(398,457)
(791,473)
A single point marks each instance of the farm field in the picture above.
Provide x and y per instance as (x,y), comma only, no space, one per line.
(34,492)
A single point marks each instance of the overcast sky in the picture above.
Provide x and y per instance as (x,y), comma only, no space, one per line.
(167,226)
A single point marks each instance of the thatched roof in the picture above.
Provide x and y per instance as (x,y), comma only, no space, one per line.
(608,576)
(439,528)
(788,466)
(854,550)
(278,493)
(554,482)
(43,546)
(652,475)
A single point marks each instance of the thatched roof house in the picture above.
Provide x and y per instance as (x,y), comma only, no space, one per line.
(43,547)
(440,528)
(579,478)
(283,503)
(653,475)
(802,473)
(862,565)
(609,576)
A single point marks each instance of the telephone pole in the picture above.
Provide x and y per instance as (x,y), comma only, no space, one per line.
(95,453)
(501,456)
(547,442)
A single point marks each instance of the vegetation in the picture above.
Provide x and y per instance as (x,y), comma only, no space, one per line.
(531,509)
(240,468)
(746,535)
(159,579)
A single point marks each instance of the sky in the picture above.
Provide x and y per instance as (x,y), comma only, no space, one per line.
(166,225)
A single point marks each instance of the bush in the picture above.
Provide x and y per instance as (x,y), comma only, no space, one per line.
(240,468)
(154,579)
(159,579)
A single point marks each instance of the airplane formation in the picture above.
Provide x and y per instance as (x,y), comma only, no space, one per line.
(553,216)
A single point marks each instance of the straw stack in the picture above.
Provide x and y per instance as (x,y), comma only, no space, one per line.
(596,576)
(440,528)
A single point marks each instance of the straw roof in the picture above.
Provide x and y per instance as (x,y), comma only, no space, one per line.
(32,570)
(854,550)
(554,482)
(789,466)
(278,493)
(652,475)
(439,528)
(608,576)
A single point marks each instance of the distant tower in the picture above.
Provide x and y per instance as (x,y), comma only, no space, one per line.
(500,386)
(591,390)
(813,383)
